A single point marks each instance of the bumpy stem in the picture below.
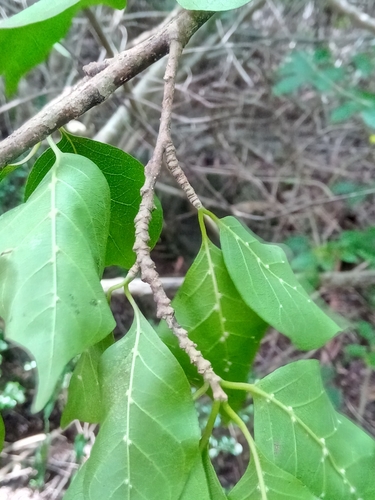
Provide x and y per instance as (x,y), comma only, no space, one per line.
(144,262)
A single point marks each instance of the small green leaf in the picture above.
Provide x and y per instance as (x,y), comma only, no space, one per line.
(368,116)
(370,359)
(288,85)
(356,350)
(2,433)
(297,428)
(148,439)
(366,331)
(125,177)
(267,284)
(225,329)
(51,259)
(363,63)
(7,170)
(280,485)
(345,111)
(305,68)
(30,34)
(212,5)
(84,394)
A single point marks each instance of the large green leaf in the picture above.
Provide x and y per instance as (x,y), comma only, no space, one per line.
(297,428)
(278,484)
(148,439)
(198,486)
(215,488)
(225,329)
(125,177)
(263,277)
(29,35)
(212,5)
(84,394)
(52,254)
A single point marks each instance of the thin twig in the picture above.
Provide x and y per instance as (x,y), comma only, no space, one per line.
(146,265)
(358,17)
(100,85)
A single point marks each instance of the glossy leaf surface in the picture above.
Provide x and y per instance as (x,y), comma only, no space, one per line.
(297,428)
(51,258)
(30,34)
(225,329)
(125,177)
(265,281)
(214,5)
(84,394)
(148,438)
(279,485)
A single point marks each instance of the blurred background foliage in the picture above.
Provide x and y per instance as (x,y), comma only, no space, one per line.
(274,122)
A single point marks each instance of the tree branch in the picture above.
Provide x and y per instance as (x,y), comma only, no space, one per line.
(144,262)
(359,18)
(93,90)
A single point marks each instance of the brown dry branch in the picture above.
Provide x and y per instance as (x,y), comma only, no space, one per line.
(146,265)
(94,90)
(358,17)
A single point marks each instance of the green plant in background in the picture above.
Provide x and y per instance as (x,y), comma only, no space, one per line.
(342,83)
(80,202)
(367,351)
(351,248)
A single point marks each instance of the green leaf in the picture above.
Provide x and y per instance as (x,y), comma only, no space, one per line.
(297,428)
(265,281)
(51,258)
(7,170)
(356,350)
(370,359)
(148,439)
(288,85)
(363,63)
(366,331)
(225,329)
(84,394)
(2,433)
(198,485)
(368,116)
(125,177)
(280,485)
(305,68)
(212,5)
(216,490)
(30,34)
(345,111)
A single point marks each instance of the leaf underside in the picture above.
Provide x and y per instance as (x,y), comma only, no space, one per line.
(225,329)
(52,252)
(148,438)
(84,394)
(125,177)
(266,282)
(280,485)
(297,428)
